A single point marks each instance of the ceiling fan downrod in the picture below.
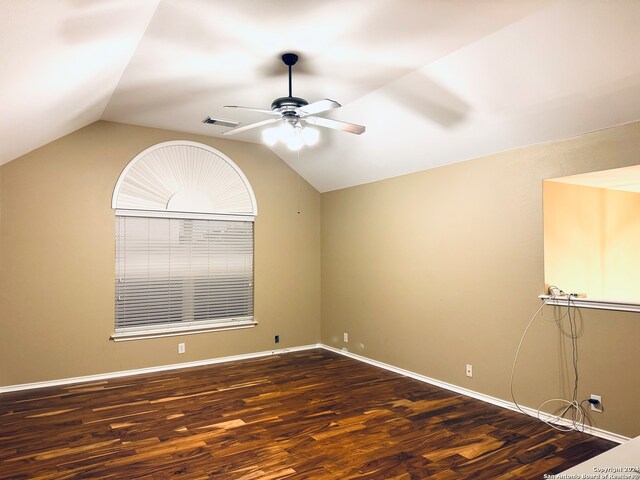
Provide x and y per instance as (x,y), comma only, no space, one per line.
(290,60)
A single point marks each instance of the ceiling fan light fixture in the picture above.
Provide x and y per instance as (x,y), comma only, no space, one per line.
(294,141)
(294,136)
(295,144)
(286,130)
(270,136)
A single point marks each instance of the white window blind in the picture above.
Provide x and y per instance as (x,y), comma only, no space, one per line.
(175,271)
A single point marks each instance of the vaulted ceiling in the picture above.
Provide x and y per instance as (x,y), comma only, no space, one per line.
(434,81)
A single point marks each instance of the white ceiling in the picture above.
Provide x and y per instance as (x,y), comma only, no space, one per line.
(434,81)
(626,179)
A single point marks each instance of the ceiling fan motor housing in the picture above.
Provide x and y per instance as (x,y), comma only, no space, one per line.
(289,59)
(285,104)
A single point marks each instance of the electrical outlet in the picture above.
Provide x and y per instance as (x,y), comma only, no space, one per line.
(345,337)
(182,348)
(276,339)
(596,407)
(469,370)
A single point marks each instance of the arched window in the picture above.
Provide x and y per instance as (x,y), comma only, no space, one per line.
(184,243)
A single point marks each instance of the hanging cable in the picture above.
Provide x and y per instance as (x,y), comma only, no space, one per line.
(515,360)
(577,411)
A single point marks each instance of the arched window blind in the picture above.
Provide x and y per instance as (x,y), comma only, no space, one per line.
(184,243)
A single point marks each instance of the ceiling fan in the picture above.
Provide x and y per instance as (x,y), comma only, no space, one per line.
(294,113)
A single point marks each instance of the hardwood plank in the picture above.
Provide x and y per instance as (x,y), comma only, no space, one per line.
(303,415)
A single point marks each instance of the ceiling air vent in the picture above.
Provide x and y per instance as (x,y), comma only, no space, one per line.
(222,123)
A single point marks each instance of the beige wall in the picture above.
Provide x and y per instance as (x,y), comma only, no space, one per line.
(57,258)
(437,269)
(592,240)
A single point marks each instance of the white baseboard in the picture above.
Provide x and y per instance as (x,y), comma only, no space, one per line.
(597,432)
(141,371)
(211,361)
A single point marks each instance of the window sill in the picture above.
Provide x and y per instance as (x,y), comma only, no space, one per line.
(141,333)
(592,303)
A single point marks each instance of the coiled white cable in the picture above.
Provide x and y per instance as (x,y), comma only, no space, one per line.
(578,413)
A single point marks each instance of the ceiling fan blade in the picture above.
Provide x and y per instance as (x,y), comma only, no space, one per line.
(335,124)
(317,107)
(233,131)
(261,110)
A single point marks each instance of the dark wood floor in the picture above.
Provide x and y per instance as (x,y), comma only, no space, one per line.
(311,415)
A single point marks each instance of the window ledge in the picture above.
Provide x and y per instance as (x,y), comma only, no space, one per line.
(591,303)
(140,333)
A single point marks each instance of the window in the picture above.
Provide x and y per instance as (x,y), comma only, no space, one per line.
(187,267)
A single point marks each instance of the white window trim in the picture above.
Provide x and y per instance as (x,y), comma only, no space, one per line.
(181,215)
(563,301)
(187,328)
